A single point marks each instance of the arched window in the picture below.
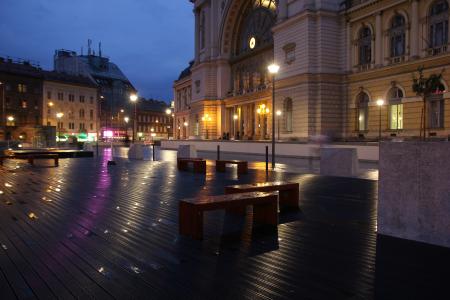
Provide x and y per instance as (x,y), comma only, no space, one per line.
(363,111)
(288,114)
(395,96)
(438,24)
(397,36)
(365,46)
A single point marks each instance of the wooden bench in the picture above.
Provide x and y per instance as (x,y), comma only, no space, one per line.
(31,158)
(242,165)
(265,209)
(289,192)
(198,163)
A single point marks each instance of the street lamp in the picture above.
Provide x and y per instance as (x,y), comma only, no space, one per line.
(205,119)
(59,116)
(50,105)
(273,69)
(278,125)
(235,118)
(380,103)
(134,98)
(169,113)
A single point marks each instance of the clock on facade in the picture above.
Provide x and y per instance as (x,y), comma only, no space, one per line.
(252,42)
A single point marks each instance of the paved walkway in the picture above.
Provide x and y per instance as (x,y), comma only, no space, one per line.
(86,230)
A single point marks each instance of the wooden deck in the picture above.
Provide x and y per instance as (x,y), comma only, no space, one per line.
(86,230)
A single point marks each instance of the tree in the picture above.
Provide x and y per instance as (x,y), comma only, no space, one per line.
(424,87)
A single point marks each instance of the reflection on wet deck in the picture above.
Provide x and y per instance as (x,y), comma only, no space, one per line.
(88,230)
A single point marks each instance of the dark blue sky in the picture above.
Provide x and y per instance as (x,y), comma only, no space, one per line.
(150,40)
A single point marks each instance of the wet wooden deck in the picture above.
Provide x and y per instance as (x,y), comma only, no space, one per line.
(85,230)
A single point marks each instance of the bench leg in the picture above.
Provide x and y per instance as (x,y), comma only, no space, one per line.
(56,162)
(1,162)
(289,199)
(220,166)
(266,213)
(190,221)
(31,161)
(242,168)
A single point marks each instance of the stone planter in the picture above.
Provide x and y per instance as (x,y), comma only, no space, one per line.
(414,191)
(339,162)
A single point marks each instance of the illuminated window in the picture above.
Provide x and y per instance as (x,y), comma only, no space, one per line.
(395,108)
(21,88)
(265,3)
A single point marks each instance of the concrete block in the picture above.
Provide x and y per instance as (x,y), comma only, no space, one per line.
(339,162)
(414,191)
(188,151)
(136,151)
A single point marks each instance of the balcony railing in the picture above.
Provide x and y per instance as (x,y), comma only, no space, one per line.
(396,59)
(437,50)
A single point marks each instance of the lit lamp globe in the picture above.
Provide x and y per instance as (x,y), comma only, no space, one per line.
(10,118)
(168,111)
(133,97)
(380,102)
(235,117)
(59,115)
(278,112)
(126,119)
(273,69)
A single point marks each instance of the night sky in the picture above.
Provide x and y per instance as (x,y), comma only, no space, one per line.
(150,40)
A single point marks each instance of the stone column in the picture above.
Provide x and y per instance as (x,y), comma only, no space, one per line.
(349,46)
(197,32)
(282,10)
(414,33)
(378,41)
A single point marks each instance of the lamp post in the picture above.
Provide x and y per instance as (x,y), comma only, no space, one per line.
(58,117)
(134,98)
(3,124)
(50,105)
(205,119)
(235,118)
(169,113)
(185,124)
(278,123)
(273,69)
(380,103)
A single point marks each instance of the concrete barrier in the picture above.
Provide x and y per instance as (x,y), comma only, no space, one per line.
(139,151)
(339,162)
(364,152)
(414,191)
(189,151)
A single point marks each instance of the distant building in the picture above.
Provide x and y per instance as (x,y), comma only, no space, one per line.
(21,97)
(153,122)
(114,86)
(184,117)
(75,100)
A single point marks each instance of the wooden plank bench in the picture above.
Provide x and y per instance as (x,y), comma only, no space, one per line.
(31,158)
(265,209)
(198,163)
(242,165)
(289,192)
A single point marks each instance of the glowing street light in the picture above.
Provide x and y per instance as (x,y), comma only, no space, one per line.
(273,69)
(380,103)
(59,116)
(278,122)
(134,98)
